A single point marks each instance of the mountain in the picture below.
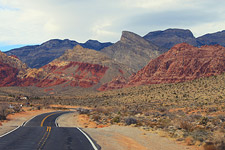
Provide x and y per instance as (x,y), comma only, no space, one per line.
(170,37)
(96,45)
(78,67)
(212,39)
(132,50)
(11,68)
(37,56)
(181,63)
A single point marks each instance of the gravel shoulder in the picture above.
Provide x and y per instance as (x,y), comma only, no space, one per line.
(120,137)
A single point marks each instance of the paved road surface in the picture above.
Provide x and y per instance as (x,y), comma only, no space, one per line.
(42,133)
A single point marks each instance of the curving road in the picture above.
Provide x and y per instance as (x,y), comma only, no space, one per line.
(42,133)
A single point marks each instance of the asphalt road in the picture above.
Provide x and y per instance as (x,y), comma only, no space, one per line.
(42,133)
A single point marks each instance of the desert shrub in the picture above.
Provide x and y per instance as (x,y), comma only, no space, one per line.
(96,117)
(204,121)
(219,140)
(130,121)
(200,135)
(3,111)
(115,119)
(17,108)
(105,111)
(186,125)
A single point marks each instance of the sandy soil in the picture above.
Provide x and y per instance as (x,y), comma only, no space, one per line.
(120,137)
(17,119)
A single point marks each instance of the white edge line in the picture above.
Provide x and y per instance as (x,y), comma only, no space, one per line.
(56,120)
(23,124)
(92,143)
(56,124)
(9,132)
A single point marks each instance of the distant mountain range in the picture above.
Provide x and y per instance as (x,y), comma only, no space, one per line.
(132,61)
(37,56)
(168,38)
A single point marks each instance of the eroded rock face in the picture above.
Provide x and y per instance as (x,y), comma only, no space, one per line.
(181,63)
(72,74)
(10,70)
(132,50)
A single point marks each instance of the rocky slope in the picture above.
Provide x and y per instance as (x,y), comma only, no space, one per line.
(37,56)
(212,39)
(132,50)
(78,67)
(11,68)
(170,37)
(181,63)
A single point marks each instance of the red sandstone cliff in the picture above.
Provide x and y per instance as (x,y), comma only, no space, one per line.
(181,63)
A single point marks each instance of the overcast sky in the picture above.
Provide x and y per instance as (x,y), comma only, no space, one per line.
(36,21)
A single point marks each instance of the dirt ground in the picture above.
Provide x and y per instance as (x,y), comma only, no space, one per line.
(116,137)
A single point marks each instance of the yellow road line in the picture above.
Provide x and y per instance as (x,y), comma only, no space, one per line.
(42,122)
(44,138)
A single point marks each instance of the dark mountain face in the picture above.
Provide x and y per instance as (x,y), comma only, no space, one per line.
(212,39)
(170,37)
(132,50)
(96,45)
(37,56)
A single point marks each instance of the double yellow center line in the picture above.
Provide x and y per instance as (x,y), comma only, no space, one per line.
(44,138)
(42,122)
(46,134)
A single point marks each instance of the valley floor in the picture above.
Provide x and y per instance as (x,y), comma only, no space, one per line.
(117,137)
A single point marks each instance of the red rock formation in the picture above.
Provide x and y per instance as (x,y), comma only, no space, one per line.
(116,83)
(75,73)
(78,67)
(182,63)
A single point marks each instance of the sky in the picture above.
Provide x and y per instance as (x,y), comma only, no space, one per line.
(28,22)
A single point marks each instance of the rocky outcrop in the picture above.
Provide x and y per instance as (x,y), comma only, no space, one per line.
(181,63)
(11,68)
(132,50)
(170,37)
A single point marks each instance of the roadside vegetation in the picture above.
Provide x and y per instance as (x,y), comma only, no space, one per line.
(192,112)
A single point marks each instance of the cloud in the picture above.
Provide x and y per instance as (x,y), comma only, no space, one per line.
(32,21)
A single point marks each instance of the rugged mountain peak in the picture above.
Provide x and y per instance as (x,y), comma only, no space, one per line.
(132,50)
(58,43)
(170,37)
(96,45)
(132,38)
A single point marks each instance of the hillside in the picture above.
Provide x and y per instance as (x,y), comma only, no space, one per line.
(78,67)
(182,63)
(132,50)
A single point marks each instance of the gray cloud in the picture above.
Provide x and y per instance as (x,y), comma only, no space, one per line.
(32,21)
